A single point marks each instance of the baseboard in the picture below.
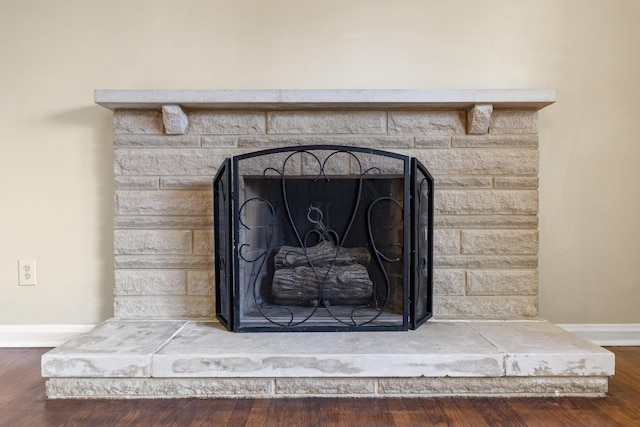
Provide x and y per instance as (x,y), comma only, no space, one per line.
(39,335)
(607,334)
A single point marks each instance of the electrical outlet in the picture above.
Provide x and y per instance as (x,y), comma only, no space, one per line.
(26,272)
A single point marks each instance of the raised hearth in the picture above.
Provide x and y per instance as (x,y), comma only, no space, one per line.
(164,359)
(481,148)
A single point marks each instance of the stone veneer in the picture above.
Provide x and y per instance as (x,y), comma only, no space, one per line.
(480,146)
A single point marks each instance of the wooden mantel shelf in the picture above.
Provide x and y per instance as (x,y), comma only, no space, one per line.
(534,99)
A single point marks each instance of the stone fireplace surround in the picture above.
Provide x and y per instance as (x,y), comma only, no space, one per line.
(481,146)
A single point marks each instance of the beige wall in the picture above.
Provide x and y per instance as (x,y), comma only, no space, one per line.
(56,154)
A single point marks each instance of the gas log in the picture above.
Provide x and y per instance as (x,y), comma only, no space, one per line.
(341,284)
(323,253)
(339,273)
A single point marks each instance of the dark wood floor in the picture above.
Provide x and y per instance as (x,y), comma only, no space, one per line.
(23,403)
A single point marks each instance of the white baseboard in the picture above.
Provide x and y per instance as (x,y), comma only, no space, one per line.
(39,335)
(607,334)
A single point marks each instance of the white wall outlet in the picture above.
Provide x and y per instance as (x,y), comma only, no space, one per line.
(26,272)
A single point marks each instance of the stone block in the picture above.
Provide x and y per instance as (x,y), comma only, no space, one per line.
(494,387)
(137,122)
(203,242)
(158,388)
(495,141)
(487,242)
(156,141)
(510,121)
(150,282)
(167,161)
(449,282)
(460,182)
(136,182)
(485,307)
(433,141)
(163,307)
(330,122)
(163,261)
(160,222)
(200,282)
(486,202)
(227,122)
(486,221)
(209,141)
(502,282)
(515,182)
(426,122)
(485,261)
(446,242)
(324,386)
(175,120)
(169,202)
(372,141)
(152,242)
(479,161)
(478,118)
(187,182)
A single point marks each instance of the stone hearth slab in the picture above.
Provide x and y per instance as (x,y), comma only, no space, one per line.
(441,349)
(544,349)
(151,359)
(115,348)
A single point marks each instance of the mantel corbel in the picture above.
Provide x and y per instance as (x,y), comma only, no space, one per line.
(175,120)
(479,118)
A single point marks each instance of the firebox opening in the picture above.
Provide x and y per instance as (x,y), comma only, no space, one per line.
(325,259)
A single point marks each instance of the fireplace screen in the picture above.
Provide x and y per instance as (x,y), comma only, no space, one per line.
(323,238)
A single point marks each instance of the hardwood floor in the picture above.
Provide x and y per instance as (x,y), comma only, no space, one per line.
(23,403)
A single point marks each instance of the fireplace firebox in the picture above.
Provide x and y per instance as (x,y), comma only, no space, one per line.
(323,238)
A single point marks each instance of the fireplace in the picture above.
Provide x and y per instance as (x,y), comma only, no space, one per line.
(323,238)
(484,338)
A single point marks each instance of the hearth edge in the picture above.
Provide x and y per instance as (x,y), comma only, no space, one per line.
(481,358)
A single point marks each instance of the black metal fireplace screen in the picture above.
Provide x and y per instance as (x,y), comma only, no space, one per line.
(323,238)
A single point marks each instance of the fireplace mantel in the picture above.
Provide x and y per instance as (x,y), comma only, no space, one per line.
(279,99)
